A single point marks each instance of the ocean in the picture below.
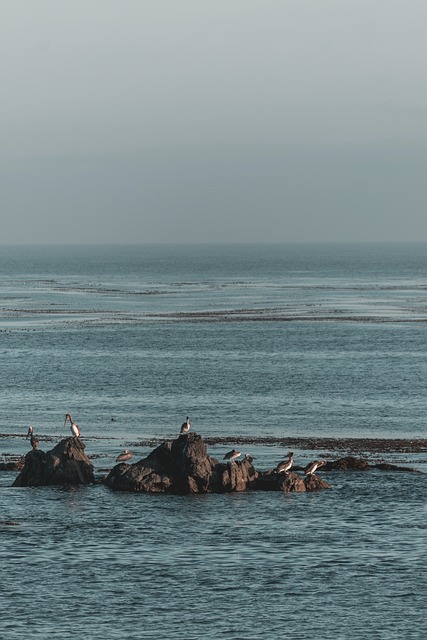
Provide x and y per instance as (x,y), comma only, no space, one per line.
(253,342)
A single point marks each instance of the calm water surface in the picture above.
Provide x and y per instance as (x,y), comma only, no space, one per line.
(261,340)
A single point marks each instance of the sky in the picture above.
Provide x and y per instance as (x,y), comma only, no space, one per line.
(151,121)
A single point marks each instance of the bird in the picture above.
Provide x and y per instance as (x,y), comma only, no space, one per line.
(34,441)
(313,466)
(249,458)
(75,430)
(232,455)
(185,427)
(285,465)
(126,455)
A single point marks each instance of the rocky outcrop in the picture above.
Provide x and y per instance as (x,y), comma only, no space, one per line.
(314,482)
(350,463)
(347,463)
(12,465)
(236,476)
(148,475)
(290,482)
(181,467)
(66,463)
(184,466)
(386,466)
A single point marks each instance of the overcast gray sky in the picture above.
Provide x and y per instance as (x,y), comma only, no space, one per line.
(213,120)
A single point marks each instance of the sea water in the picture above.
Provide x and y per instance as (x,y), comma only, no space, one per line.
(257,340)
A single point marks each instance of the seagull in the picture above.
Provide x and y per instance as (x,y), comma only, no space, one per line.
(185,427)
(249,458)
(285,465)
(34,441)
(313,466)
(126,455)
(75,430)
(232,455)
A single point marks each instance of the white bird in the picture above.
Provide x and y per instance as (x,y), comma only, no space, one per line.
(313,466)
(285,465)
(34,441)
(75,430)
(232,455)
(185,427)
(126,455)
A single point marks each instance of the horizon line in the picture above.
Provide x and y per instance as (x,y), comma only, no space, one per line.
(210,243)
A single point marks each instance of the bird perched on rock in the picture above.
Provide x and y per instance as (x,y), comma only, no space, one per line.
(75,430)
(249,458)
(285,465)
(232,455)
(34,441)
(313,466)
(126,455)
(185,427)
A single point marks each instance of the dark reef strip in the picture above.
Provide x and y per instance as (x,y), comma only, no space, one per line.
(235,316)
(380,445)
(374,445)
(356,445)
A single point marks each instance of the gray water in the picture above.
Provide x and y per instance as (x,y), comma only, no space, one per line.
(259,340)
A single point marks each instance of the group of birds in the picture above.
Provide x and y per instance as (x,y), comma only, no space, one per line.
(283,467)
(75,430)
(234,454)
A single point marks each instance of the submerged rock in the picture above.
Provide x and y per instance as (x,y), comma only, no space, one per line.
(350,463)
(386,466)
(66,463)
(181,467)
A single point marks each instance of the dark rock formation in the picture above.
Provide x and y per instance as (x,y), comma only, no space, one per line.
(358,464)
(314,483)
(148,475)
(386,466)
(181,467)
(12,465)
(66,463)
(289,482)
(236,476)
(348,463)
